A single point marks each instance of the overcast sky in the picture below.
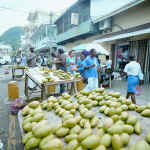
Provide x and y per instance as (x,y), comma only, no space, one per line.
(18,10)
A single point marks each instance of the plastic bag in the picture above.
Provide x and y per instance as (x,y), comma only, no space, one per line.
(138,90)
(92,84)
(6,71)
(16,105)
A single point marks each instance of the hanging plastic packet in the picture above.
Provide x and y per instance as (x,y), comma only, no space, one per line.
(138,90)
(1,145)
(95,63)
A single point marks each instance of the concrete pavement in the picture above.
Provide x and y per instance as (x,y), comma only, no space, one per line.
(121,86)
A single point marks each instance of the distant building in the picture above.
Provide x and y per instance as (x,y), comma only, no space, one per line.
(40,31)
(44,36)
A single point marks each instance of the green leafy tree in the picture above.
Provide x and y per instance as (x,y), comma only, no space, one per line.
(12,37)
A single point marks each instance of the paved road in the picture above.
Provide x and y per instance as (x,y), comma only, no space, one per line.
(9,133)
(9,129)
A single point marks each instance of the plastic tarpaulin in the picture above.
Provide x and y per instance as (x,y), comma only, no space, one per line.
(88,47)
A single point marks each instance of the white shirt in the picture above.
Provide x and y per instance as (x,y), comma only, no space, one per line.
(54,65)
(133,68)
(108,64)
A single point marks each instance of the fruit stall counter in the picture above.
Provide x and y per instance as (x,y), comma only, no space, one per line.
(93,120)
(44,78)
(17,67)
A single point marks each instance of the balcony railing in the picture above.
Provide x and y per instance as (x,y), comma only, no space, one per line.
(83,28)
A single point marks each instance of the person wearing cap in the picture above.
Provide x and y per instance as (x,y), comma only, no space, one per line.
(134,73)
(91,65)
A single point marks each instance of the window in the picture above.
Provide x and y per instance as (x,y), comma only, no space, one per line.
(83,11)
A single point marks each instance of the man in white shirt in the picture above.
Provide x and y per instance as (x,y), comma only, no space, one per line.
(134,73)
(108,63)
(132,68)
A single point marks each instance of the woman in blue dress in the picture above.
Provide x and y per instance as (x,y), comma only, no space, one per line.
(91,65)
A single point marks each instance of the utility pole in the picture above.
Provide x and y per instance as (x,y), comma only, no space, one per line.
(51,18)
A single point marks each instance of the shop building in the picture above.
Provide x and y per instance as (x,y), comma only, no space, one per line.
(122,29)
(133,37)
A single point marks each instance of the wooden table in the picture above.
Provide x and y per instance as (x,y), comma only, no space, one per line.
(14,68)
(38,80)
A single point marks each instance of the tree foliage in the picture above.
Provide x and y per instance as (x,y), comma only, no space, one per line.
(12,37)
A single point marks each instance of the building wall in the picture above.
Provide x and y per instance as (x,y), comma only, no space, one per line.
(99,8)
(64,22)
(133,17)
(70,45)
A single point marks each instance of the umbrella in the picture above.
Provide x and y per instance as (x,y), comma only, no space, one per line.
(99,49)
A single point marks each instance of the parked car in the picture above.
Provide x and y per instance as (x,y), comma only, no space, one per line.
(2,61)
(7,59)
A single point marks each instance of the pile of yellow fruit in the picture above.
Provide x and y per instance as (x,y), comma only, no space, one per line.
(80,127)
(58,73)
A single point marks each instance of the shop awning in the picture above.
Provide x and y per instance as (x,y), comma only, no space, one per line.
(88,46)
(122,36)
(46,45)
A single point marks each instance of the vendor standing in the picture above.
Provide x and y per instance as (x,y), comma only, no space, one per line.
(80,65)
(91,66)
(71,62)
(23,60)
(108,63)
(134,73)
(31,61)
(61,64)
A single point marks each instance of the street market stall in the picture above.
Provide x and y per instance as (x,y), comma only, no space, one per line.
(47,48)
(44,77)
(94,120)
(14,69)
